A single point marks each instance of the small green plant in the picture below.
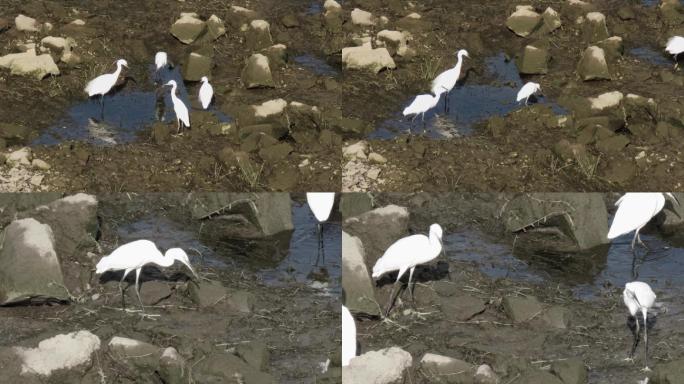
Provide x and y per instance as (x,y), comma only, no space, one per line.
(250,172)
(429,68)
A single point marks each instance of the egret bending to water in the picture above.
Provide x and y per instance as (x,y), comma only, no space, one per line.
(675,46)
(160,60)
(420,105)
(405,254)
(528,90)
(182,114)
(348,336)
(137,254)
(321,204)
(104,83)
(635,210)
(446,81)
(639,296)
(206,93)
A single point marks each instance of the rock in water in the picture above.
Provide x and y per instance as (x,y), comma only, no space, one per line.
(30,267)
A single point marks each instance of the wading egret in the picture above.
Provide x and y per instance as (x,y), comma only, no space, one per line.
(206,93)
(635,210)
(321,204)
(179,107)
(160,60)
(675,46)
(639,296)
(446,81)
(528,90)
(348,336)
(134,256)
(420,105)
(104,83)
(405,254)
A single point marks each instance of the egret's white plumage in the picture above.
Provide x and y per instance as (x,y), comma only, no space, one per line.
(104,83)
(321,204)
(639,297)
(421,104)
(446,81)
(635,210)
(406,253)
(182,114)
(348,336)
(135,255)
(206,93)
(527,90)
(675,46)
(161,60)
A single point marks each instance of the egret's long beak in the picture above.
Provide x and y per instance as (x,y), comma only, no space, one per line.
(191,269)
(676,200)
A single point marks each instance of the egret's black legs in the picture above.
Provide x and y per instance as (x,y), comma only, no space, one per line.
(411,287)
(635,333)
(137,287)
(646,340)
(321,248)
(390,303)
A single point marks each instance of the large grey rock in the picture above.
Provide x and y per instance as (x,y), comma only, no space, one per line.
(671,12)
(26,24)
(30,267)
(188,28)
(552,20)
(257,72)
(215,27)
(139,354)
(357,284)
(593,65)
(355,203)
(378,229)
(196,66)
(521,309)
(438,367)
(523,21)
(581,217)
(29,64)
(61,352)
(362,18)
(238,17)
(462,307)
(570,371)
(258,35)
(534,60)
(386,366)
(594,28)
(394,41)
(612,47)
(220,367)
(367,58)
(271,213)
(172,367)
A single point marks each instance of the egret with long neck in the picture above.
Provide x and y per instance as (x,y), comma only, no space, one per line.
(182,114)
(639,297)
(635,210)
(104,83)
(420,105)
(405,254)
(446,81)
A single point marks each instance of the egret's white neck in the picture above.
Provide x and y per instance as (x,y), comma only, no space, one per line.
(118,70)
(459,63)
(164,261)
(173,90)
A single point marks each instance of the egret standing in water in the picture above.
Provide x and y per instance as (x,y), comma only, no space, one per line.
(348,336)
(321,204)
(182,114)
(134,256)
(675,46)
(160,60)
(446,81)
(527,90)
(635,210)
(405,254)
(420,105)
(639,296)
(104,83)
(206,93)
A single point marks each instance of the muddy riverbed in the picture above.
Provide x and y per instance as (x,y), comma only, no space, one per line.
(487,141)
(466,315)
(265,299)
(132,144)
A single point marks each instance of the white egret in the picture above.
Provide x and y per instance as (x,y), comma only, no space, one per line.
(405,254)
(675,46)
(134,256)
(206,93)
(420,105)
(182,114)
(528,90)
(321,204)
(635,210)
(639,296)
(160,60)
(446,81)
(104,83)
(348,336)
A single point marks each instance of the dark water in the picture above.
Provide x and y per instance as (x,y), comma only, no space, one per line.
(127,113)
(278,260)
(469,104)
(589,274)
(652,56)
(316,65)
